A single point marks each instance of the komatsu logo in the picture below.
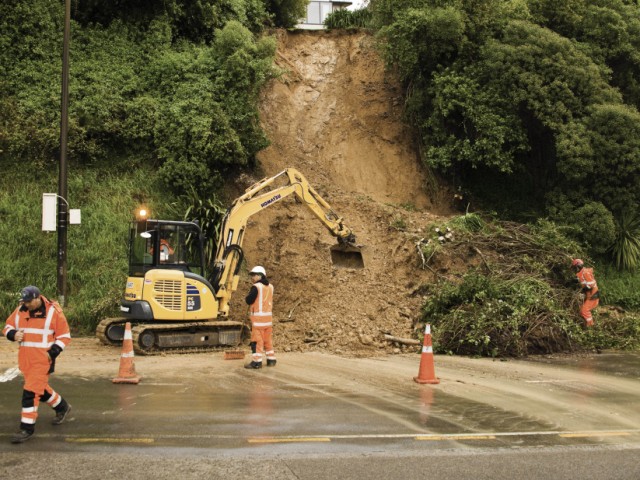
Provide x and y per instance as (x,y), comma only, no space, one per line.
(270,201)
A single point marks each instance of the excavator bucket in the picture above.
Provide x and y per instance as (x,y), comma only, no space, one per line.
(347,256)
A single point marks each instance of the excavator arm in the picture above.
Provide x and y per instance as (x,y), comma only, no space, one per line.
(256,198)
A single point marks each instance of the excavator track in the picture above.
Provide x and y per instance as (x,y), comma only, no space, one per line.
(111,330)
(158,338)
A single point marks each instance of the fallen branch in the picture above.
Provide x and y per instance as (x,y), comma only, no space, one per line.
(289,319)
(420,252)
(477,250)
(404,341)
(292,65)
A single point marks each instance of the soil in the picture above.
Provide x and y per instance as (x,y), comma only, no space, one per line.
(336,116)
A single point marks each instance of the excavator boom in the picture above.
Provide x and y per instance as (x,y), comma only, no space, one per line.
(262,195)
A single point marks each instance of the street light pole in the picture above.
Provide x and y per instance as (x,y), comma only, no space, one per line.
(63,214)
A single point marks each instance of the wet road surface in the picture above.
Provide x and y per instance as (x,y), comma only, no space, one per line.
(331,411)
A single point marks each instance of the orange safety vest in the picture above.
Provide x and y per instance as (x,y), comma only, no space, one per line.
(260,311)
(40,333)
(588,281)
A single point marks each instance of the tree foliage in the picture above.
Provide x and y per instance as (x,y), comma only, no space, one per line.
(142,85)
(287,13)
(535,93)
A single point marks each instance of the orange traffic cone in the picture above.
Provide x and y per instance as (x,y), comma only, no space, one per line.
(427,373)
(127,373)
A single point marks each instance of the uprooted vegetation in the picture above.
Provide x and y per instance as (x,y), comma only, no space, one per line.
(517,298)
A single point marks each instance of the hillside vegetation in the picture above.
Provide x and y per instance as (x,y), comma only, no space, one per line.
(528,107)
(525,110)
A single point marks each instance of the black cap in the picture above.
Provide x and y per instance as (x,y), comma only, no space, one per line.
(29,293)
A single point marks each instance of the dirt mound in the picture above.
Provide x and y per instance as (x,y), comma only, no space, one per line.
(336,116)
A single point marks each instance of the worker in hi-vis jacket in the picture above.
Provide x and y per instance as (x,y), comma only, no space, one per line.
(589,289)
(260,301)
(41,329)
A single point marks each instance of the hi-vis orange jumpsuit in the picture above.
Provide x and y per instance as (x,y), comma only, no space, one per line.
(46,332)
(592,297)
(260,313)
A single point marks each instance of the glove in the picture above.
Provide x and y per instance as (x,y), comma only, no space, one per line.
(54,351)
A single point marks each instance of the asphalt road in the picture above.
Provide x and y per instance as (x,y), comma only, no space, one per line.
(319,416)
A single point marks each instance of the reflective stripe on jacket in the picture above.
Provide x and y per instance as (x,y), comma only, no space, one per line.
(260,311)
(587,281)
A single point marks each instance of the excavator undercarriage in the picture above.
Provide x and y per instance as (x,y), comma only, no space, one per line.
(155,338)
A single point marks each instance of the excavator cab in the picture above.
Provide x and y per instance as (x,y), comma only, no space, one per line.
(165,244)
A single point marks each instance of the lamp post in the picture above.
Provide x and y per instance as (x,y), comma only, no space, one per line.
(63,214)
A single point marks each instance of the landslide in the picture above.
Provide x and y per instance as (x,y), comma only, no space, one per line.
(336,115)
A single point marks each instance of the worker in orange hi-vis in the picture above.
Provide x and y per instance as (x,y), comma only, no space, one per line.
(40,327)
(260,301)
(589,289)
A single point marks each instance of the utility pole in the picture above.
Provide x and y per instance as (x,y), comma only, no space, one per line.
(63,214)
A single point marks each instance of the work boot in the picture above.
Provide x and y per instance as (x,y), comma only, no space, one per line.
(271,362)
(61,415)
(21,436)
(253,365)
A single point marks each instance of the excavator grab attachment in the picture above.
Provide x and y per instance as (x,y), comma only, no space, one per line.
(347,256)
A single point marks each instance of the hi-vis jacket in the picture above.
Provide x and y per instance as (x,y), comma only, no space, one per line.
(260,311)
(46,328)
(588,282)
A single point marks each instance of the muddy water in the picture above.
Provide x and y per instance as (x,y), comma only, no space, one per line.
(313,402)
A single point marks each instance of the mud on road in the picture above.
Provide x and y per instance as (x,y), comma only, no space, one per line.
(552,393)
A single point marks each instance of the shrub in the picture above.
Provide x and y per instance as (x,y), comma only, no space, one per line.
(626,247)
(345,19)
(522,298)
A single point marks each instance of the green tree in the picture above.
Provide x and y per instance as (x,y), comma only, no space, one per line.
(136,89)
(609,29)
(523,102)
(287,13)
(195,20)
(615,140)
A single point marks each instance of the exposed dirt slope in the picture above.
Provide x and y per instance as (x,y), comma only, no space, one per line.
(336,117)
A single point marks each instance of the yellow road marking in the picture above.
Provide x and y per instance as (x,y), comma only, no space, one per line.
(330,438)
(456,437)
(285,440)
(594,434)
(110,440)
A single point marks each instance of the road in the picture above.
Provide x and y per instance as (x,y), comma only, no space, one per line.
(318,416)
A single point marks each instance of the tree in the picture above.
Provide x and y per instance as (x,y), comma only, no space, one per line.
(287,13)
(520,98)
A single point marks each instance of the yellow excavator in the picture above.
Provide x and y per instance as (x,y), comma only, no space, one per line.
(169,302)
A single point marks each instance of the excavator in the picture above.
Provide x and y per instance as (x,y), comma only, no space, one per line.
(170,304)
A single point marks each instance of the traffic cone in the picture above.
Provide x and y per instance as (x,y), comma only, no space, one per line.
(127,373)
(427,373)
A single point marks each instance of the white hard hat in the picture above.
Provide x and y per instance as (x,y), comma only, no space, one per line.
(258,269)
